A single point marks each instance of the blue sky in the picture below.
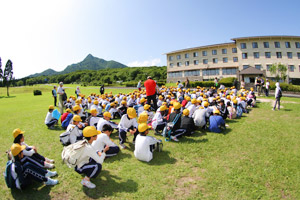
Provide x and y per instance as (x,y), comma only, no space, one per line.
(37,35)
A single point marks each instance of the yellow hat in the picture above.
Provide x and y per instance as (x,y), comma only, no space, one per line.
(160,97)
(68,110)
(143,127)
(78,101)
(216,111)
(188,98)
(194,101)
(90,131)
(143,118)
(17,132)
(77,118)
(96,102)
(107,114)
(51,107)
(201,107)
(177,105)
(199,101)
(143,100)
(185,112)
(163,108)
(94,111)
(112,104)
(16,149)
(164,103)
(205,104)
(234,101)
(131,113)
(123,102)
(146,107)
(77,107)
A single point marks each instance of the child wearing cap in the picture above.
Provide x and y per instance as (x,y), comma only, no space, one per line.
(75,128)
(122,109)
(64,116)
(128,123)
(106,120)
(140,107)
(187,123)
(65,123)
(93,119)
(104,140)
(216,122)
(49,120)
(192,107)
(90,161)
(149,112)
(199,117)
(25,172)
(113,111)
(144,145)
(160,119)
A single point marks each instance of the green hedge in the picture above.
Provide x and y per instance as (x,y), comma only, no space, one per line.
(227,82)
(285,87)
(37,92)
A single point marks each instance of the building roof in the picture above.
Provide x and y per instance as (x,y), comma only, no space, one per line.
(200,47)
(250,70)
(266,37)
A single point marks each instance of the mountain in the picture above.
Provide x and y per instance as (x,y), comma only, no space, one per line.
(89,63)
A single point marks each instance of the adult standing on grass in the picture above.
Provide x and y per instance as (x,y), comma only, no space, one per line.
(60,92)
(267,87)
(139,86)
(278,95)
(102,89)
(54,94)
(150,86)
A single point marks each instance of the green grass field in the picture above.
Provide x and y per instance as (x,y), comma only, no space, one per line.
(256,158)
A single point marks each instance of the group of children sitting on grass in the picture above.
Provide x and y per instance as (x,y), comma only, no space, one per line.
(180,113)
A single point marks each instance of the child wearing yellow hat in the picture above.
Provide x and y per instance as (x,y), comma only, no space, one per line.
(49,120)
(216,122)
(93,119)
(106,120)
(122,109)
(75,129)
(187,123)
(159,120)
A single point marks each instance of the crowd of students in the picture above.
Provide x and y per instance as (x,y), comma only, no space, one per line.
(180,113)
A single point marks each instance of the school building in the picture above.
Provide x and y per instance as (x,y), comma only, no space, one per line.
(245,58)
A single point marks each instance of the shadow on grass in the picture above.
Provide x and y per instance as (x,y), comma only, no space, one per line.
(32,192)
(162,158)
(287,110)
(121,155)
(107,185)
(6,97)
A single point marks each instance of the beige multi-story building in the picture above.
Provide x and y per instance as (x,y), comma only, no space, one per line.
(245,58)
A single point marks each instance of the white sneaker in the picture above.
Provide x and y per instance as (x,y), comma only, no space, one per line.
(48,165)
(122,146)
(88,184)
(174,138)
(51,182)
(50,174)
(49,160)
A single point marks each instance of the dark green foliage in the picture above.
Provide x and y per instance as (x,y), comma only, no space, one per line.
(7,75)
(285,87)
(227,82)
(202,84)
(37,92)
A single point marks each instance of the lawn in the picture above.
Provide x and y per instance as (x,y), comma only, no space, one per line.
(257,157)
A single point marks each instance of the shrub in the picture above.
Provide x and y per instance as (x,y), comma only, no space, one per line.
(37,92)
(285,87)
(202,84)
(227,82)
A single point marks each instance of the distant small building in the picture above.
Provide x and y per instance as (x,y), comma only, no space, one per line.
(234,58)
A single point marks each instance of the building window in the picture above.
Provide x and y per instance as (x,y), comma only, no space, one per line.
(204,53)
(244,55)
(171,65)
(235,59)
(291,68)
(254,45)
(243,46)
(258,67)
(266,45)
(215,60)
(210,72)
(234,50)
(178,57)
(229,71)
(289,55)
(192,73)
(269,67)
(225,60)
(174,74)
(298,55)
(224,51)
(187,63)
(179,64)
(278,54)
(268,54)
(196,62)
(170,58)
(245,66)
(277,44)
(195,54)
(297,44)
(214,52)
(256,54)
(205,61)
(287,44)
(186,55)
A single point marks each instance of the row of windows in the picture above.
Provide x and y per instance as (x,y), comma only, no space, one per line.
(205,72)
(268,55)
(204,61)
(267,45)
(204,53)
(290,67)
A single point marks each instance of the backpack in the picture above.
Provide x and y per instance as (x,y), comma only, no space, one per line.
(64,97)
(72,153)
(65,137)
(279,93)
(9,179)
(239,111)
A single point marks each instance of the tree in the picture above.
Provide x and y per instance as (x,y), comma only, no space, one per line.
(8,75)
(1,73)
(279,71)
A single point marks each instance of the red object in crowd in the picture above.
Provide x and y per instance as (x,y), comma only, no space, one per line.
(150,86)
(63,117)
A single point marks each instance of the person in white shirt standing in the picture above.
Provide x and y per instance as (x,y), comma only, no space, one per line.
(60,92)
(267,87)
(145,145)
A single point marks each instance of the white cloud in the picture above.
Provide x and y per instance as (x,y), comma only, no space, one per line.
(153,62)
